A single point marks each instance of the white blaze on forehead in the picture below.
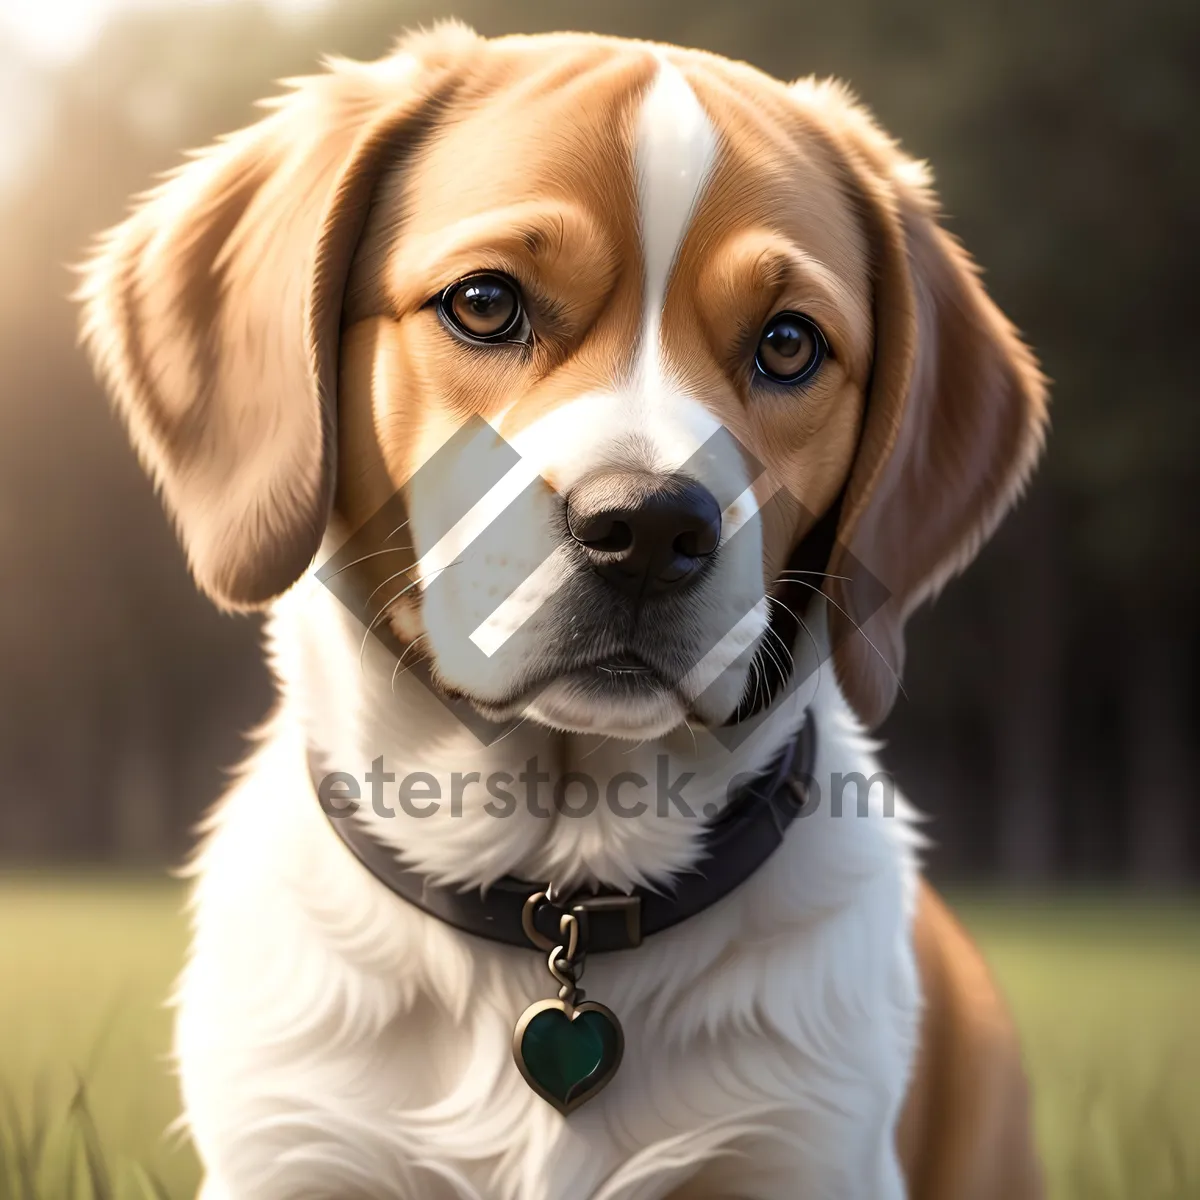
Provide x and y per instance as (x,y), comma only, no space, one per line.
(674,153)
(676,148)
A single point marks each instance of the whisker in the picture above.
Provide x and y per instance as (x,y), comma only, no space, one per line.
(766,686)
(768,632)
(394,575)
(395,531)
(859,628)
(822,574)
(416,662)
(756,672)
(765,652)
(803,625)
(512,729)
(737,712)
(597,746)
(779,663)
(379,617)
(783,646)
(402,592)
(695,744)
(373,554)
(400,661)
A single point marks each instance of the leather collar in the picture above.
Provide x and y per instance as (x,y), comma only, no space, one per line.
(520,913)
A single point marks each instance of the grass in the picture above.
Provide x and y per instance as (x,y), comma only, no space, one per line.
(1104,989)
(1105,994)
(85,1093)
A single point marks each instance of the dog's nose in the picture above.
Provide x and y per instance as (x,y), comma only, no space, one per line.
(644,534)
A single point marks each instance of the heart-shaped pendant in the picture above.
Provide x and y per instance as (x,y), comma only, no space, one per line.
(567,1052)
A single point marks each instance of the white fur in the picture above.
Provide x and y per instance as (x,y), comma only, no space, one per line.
(676,148)
(335,1042)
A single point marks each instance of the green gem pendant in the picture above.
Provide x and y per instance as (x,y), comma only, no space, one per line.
(568,1052)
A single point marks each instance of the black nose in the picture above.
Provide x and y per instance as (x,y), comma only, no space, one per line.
(644,534)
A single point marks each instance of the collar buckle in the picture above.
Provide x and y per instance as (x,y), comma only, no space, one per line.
(612,922)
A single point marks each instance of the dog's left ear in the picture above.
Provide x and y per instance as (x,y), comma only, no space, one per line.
(954,421)
(213,312)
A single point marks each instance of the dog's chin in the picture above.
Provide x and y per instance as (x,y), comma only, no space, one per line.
(579,705)
(617,697)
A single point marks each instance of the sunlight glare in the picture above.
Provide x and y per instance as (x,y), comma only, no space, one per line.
(59,30)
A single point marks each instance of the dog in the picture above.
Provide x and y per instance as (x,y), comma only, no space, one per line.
(682,401)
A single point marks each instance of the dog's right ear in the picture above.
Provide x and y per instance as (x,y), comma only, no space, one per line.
(955,412)
(213,312)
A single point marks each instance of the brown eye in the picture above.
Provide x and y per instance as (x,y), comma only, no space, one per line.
(791,348)
(486,308)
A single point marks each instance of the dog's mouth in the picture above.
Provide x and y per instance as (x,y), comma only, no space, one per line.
(637,686)
(621,670)
(622,694)
(611,677)
(614,693)
(618,695)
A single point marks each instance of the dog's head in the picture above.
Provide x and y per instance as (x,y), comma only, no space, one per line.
(627,329)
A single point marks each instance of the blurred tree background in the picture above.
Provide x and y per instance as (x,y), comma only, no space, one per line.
(1049,727)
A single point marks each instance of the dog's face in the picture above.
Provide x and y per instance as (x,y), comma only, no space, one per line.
(619,325)
(658,310)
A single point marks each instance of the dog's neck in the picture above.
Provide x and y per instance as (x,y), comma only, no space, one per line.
(628,814)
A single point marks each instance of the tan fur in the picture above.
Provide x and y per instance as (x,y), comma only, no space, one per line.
(930,411)
(966,1132)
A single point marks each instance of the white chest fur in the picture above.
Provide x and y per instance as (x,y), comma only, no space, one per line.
(333,1041)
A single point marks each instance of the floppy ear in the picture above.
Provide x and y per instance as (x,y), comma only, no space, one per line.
(212,313)
(954,418)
